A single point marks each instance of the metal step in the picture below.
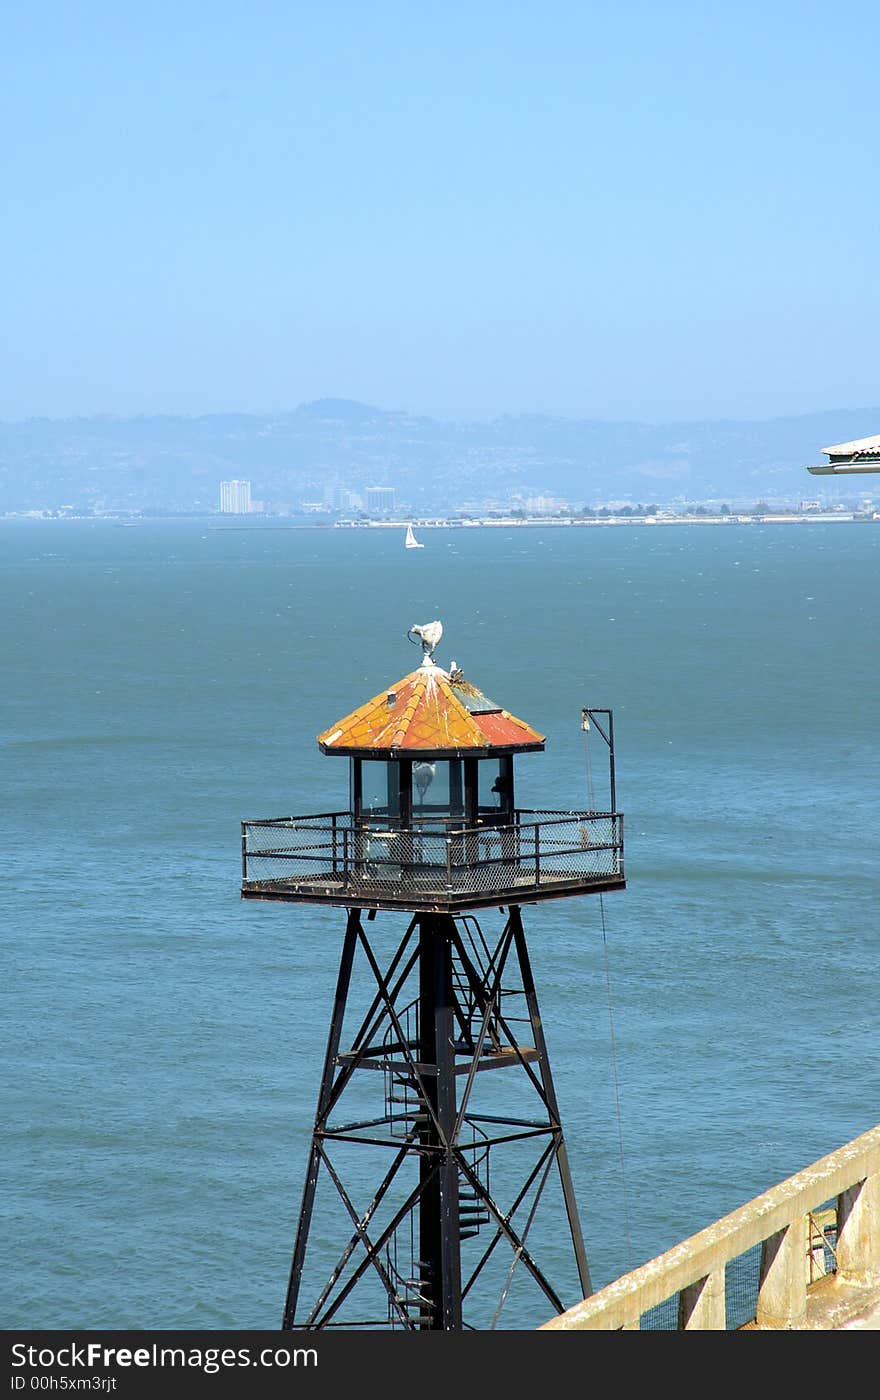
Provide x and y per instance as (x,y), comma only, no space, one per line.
(423,1310)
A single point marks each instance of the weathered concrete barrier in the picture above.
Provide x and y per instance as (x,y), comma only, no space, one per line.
(783,1222)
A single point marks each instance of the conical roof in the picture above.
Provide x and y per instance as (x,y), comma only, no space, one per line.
(430,711)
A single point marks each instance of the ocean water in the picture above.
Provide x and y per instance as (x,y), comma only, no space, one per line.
(163,1041)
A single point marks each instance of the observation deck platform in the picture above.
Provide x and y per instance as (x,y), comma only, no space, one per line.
(434,867)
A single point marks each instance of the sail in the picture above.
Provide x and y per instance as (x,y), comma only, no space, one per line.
(411,541)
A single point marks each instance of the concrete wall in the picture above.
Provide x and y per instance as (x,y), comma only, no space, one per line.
(783,1222)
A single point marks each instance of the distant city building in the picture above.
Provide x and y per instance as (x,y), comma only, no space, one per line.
(544,505)
(380,499)
(235,498)
(343,499)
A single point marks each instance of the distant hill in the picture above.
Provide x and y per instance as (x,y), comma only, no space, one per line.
(167,464)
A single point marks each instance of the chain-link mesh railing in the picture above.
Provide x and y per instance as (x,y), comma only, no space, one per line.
(742,1276)
(329,850)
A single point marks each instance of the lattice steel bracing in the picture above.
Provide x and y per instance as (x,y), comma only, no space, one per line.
(440,1184)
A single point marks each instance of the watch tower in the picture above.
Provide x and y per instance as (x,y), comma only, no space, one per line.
(436,1088)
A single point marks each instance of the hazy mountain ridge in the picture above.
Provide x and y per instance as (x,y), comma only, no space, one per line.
(171,463)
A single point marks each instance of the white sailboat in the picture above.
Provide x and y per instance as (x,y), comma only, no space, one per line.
(411,541)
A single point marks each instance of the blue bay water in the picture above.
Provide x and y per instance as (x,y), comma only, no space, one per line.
(163,1041)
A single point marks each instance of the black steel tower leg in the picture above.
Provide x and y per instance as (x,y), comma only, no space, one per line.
(440,1262)
(552,1105)
(353,929)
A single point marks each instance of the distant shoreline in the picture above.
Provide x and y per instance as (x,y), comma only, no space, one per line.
(439,523)
(588,522)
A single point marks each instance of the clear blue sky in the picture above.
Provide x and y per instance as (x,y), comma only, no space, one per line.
(638,210)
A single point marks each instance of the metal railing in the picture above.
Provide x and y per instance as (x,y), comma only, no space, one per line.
(328,849)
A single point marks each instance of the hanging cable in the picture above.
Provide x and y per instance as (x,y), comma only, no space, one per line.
(614,1069)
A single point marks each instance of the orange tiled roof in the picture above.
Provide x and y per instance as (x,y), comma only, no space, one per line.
(429,713)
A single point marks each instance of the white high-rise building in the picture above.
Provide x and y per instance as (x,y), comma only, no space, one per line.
(235,498)
(380,499)
(344,499)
